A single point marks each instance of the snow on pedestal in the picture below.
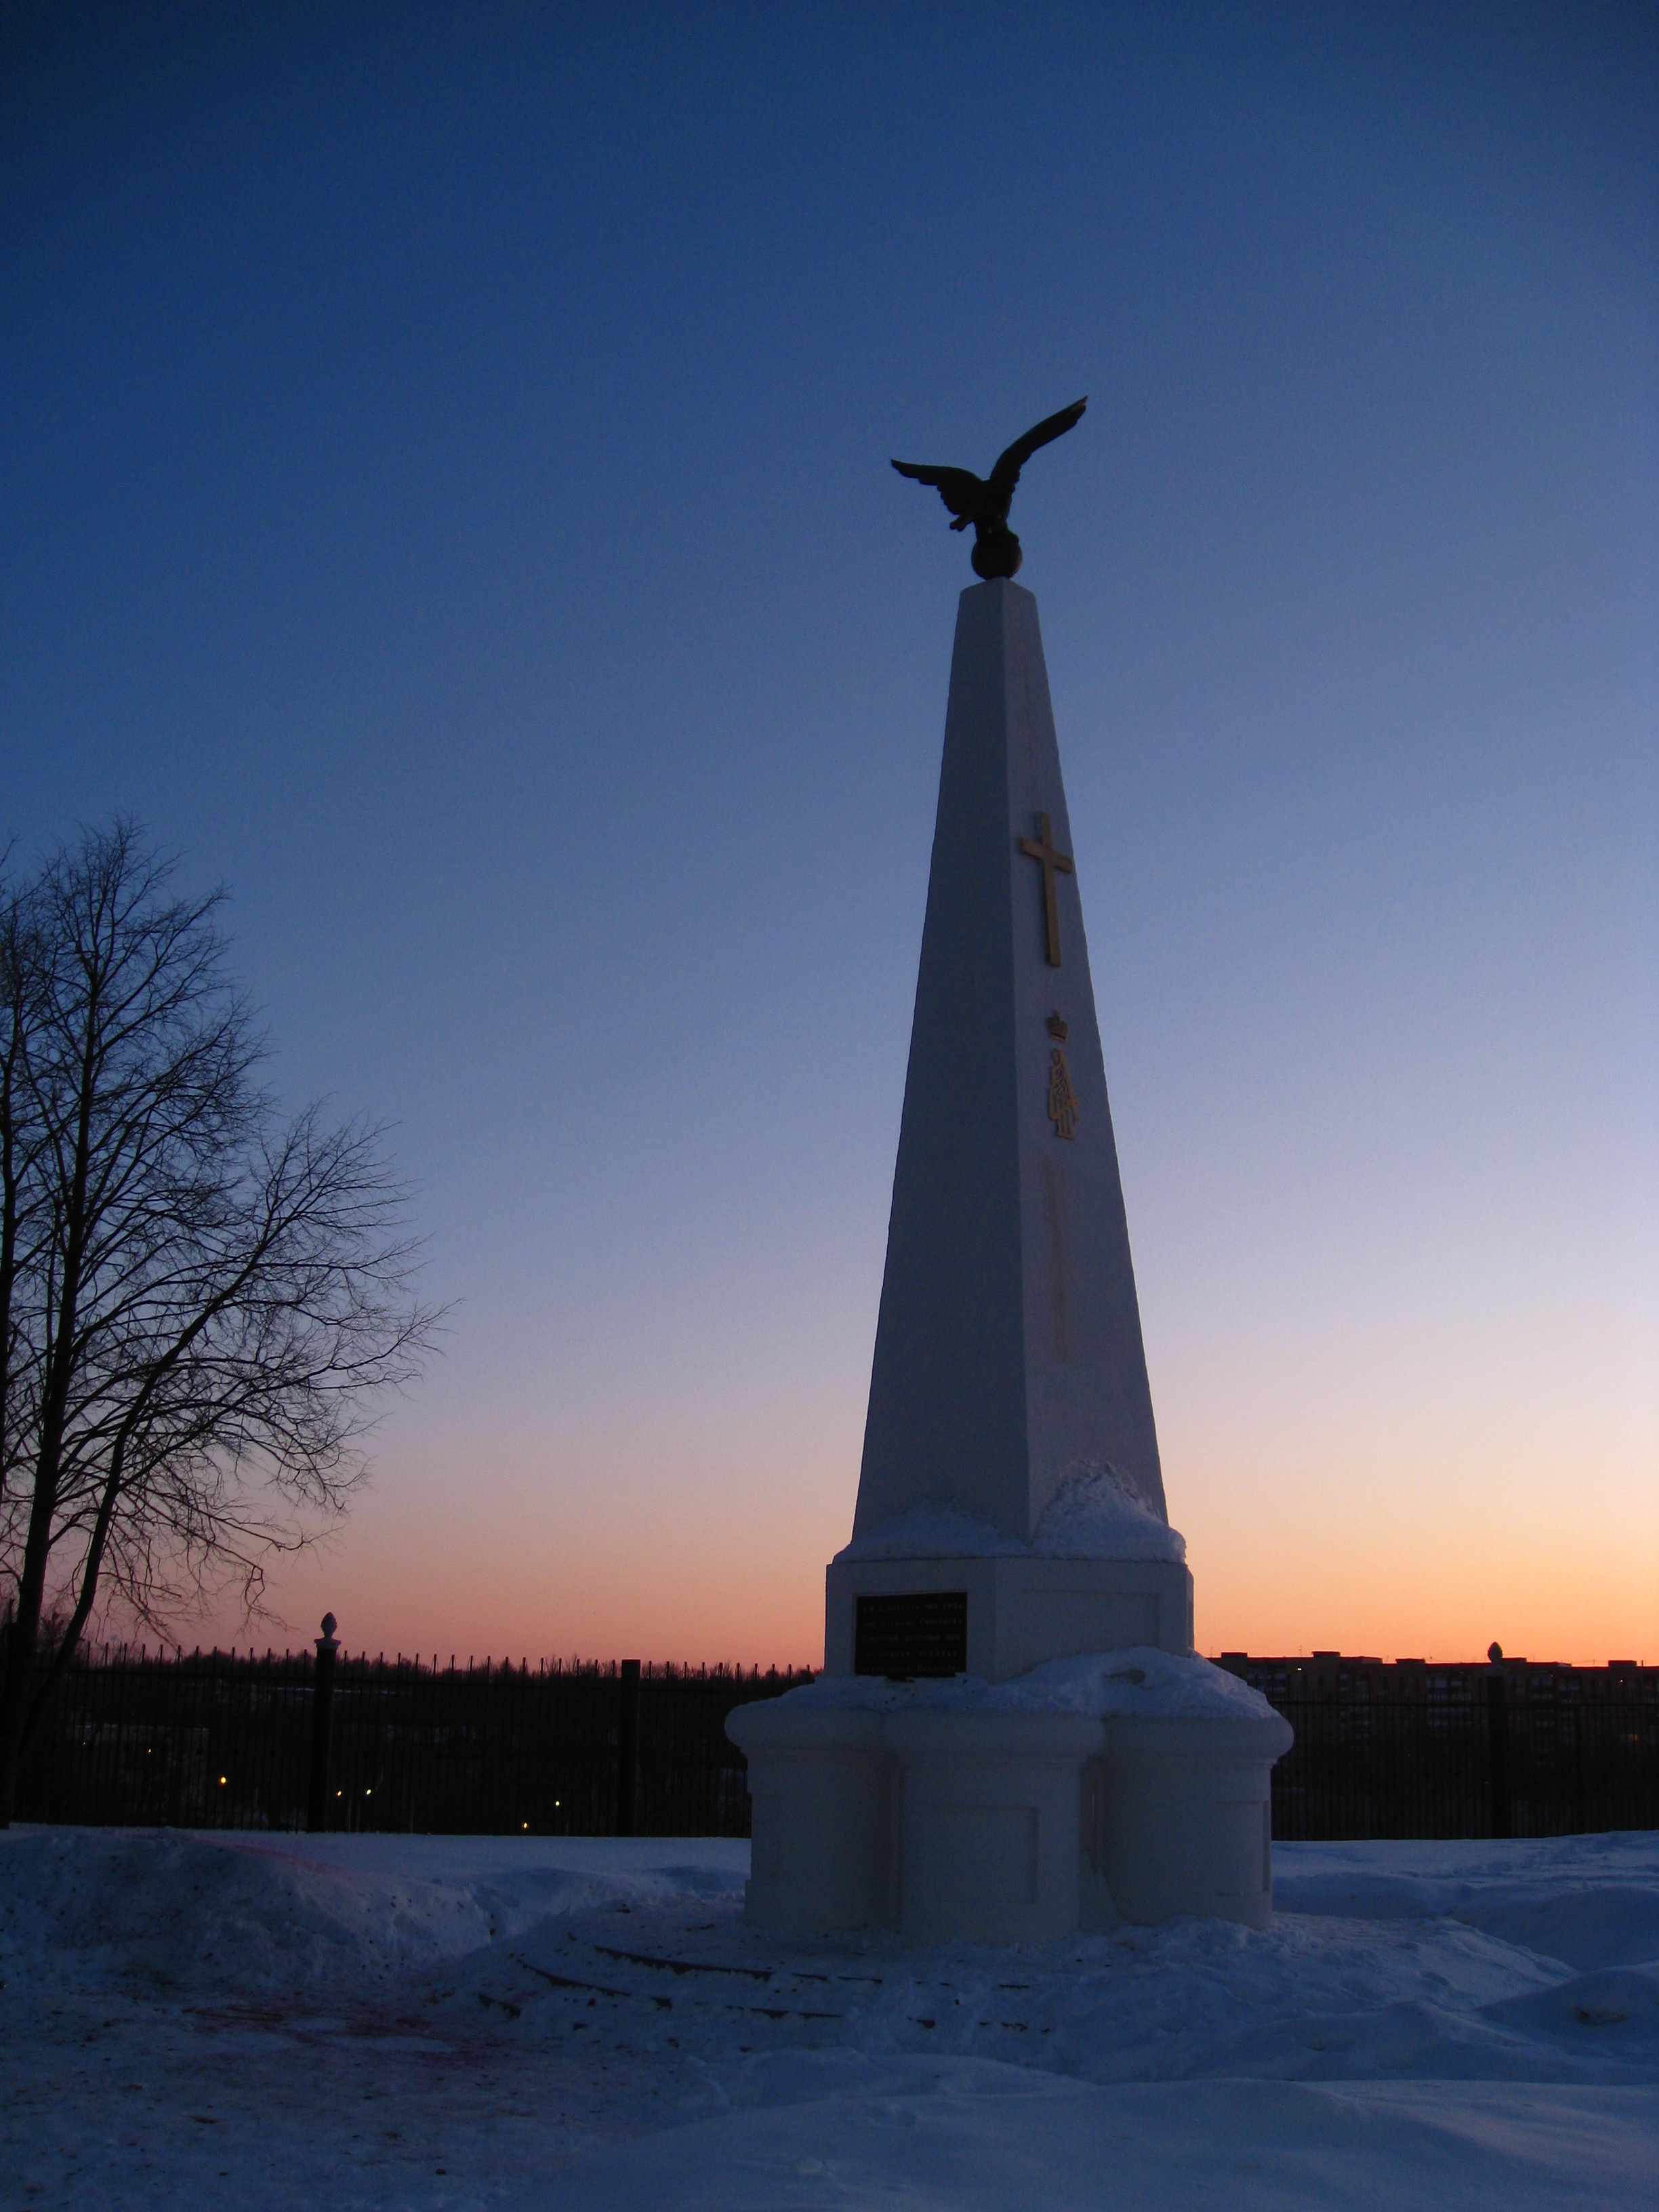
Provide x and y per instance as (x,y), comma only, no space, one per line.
(1010,1514)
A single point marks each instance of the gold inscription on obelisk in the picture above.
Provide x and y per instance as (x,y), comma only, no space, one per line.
(1062,1099)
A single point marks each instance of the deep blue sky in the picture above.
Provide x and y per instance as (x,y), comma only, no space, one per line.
(445,464)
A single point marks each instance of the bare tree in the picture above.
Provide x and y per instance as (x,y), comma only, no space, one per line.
(198,1303)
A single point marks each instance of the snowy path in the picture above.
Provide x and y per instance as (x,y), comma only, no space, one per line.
(381,2021)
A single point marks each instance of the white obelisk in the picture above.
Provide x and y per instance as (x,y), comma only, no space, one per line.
(1008,1361)
(1008,1350)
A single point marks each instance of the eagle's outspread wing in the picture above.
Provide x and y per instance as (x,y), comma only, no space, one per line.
(962,491)
(1006,475)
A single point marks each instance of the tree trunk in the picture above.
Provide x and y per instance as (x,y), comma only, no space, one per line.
(70,1643)
(25,1639)
(22,1643)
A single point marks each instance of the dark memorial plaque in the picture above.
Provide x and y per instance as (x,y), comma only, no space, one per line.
(916,1632)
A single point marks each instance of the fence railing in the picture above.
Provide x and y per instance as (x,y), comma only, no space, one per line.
(1500,1750)
(218,1740)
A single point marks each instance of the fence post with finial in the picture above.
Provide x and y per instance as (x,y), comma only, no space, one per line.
(1497,1744)
(627,1750)
(322,1719)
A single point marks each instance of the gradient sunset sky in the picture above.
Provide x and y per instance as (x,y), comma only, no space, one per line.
(444,455)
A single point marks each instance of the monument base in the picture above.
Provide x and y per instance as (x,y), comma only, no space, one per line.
(1181,1820)
(1022,1609)
(1004,1826)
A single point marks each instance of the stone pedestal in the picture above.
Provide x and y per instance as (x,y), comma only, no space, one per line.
(941,1824)
(1183,1817)
(1003,1826)
(821,1789)
(987,1825)
(1022,1609)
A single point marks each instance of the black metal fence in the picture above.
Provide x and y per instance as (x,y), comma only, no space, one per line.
(218,1741)
(214,1740)
(1411,1749)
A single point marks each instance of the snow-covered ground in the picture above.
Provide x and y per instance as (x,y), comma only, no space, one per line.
(244,2021)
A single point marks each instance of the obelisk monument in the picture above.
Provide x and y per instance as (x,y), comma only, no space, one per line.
(1012,1734)
(1010,1460)
(1008,1352)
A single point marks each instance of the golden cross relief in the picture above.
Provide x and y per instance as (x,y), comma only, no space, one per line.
(1041,849)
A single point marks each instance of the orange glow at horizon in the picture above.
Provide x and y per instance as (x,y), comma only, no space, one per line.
(712,1565)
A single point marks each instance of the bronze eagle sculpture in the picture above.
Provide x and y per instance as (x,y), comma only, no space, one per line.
(985,500)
